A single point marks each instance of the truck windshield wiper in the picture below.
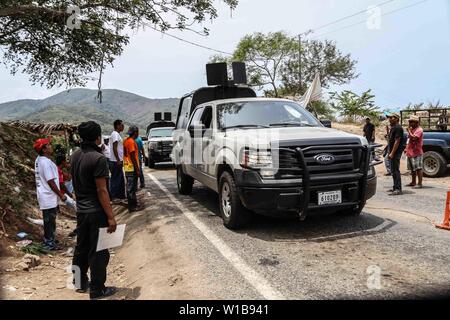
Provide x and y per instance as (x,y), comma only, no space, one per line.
(291,124)
(246,126)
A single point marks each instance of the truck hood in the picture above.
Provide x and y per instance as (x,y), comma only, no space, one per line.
(261,137)
(160,139)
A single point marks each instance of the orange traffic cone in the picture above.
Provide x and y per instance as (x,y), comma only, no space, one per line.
(446,224)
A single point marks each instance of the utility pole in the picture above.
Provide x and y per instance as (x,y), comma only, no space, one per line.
(300,63)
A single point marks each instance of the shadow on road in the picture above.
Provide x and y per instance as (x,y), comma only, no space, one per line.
(318,227)
(164,166)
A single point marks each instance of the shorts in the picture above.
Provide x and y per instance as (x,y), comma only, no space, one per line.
(415,163)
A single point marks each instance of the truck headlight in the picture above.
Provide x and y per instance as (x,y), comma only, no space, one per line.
(153,145)
(256,159)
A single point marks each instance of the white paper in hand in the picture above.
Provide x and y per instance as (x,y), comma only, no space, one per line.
(110,240)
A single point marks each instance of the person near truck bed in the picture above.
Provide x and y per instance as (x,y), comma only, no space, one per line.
(414,151)
(47,190)
(117,182)
(142,159)
(90,171)
(395,150)
(131,167)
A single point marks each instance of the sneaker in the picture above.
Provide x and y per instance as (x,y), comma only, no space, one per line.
(396,193)
(419,186)
(106,292)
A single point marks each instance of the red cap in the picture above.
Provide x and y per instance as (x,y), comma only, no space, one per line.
(40,143)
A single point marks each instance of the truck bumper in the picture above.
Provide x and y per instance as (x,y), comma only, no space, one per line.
(160,157)
(275,200)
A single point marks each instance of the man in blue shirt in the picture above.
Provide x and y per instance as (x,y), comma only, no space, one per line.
(142,159)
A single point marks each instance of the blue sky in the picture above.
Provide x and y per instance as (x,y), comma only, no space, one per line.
(405,60)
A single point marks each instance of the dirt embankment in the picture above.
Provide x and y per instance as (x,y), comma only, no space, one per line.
(18,195)
(146,267)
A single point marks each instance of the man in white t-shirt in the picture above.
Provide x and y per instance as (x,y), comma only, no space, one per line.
(47,189)
(117,182)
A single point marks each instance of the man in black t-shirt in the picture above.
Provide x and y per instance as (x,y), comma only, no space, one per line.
(369,131)
(395,150)
(90,172)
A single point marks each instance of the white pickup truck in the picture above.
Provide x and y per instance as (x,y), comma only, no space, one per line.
(269,156)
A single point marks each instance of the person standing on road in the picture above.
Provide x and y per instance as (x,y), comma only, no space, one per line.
(117,182)
(414,151)
(47,190)
(131,166)
(142,160)
(369,131)
(395,150)
(387,161)
(94,211)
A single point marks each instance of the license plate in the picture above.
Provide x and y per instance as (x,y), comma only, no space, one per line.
(330,197)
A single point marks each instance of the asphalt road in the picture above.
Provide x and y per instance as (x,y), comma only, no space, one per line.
(391,251)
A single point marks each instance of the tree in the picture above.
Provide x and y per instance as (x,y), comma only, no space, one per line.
(353,106)
(321,109)
(62,42)
(317,56)
(272,63)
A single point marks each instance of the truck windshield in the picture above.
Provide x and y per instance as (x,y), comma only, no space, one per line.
(157,133)
(262,114)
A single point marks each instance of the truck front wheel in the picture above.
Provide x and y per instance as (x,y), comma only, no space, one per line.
(234,214)
(434,164)
(151,163)
(184,182)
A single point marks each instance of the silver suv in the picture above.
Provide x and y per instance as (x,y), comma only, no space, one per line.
(272,157)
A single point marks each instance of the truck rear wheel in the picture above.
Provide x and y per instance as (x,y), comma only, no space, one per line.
(233,213)
(184,182)
(434,164)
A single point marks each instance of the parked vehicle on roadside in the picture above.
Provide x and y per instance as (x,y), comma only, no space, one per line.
(160,141)
(268,156)
(160,145)
(436,139)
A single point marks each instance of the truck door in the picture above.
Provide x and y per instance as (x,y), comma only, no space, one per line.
(207,141)
(192,143)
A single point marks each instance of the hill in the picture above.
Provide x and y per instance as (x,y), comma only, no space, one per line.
(77,105)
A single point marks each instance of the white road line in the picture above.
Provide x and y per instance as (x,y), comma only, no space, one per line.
(252,276)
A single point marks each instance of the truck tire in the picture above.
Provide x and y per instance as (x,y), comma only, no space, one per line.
(434,164)
(184,182)
(353,212)
(151,163)
(233,213)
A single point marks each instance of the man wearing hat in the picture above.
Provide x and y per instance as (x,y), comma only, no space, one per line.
(89,168)
(131,167)
(414,151)
(395,150)
(47,190)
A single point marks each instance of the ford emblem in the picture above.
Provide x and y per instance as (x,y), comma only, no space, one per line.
(325,158)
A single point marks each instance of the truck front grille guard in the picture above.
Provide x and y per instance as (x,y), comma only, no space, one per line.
(306,177)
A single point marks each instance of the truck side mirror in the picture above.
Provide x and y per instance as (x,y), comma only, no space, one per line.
(326,123)
(196,127)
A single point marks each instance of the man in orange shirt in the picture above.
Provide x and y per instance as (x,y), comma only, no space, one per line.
(131,167)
